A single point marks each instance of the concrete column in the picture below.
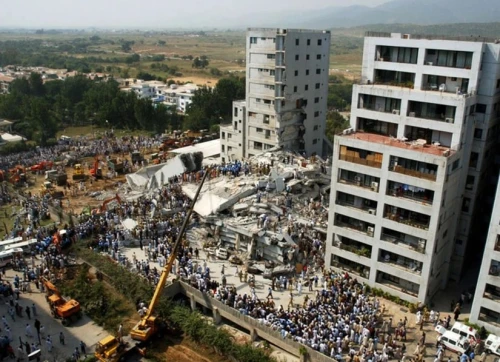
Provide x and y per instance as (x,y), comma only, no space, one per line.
(253,334)
(193,302)
(216,315)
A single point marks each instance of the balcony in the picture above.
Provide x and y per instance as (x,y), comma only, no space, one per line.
(354,155)
(410,192)
(394,54)
(497,243)
(432,111)
(403,240)
(492,292)
(350,266)
(354,224)
(441,84)
(359,179)
(400,262)
(393,78)
(489,316)
(355,202)
(448,58)
(377,127)
(379,104)
(494,268)
(398,284)
(412,168)
(410,218)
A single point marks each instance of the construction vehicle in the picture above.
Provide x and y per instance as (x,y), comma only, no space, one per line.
(96,171)
(42,166)
(106,202)
(66,310)
(78,173)
(136,156)
(116,166)
(108,349)
(48,189)
(57,177)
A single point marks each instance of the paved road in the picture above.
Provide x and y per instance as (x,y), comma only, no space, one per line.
(84,330)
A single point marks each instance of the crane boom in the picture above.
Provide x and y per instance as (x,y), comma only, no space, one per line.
(146,327)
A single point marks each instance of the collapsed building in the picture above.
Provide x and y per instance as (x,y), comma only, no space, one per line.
(276,210)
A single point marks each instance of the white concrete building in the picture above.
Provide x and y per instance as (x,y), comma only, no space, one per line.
(286,90)
(232,136)
(178,96)
(486,306)
(406,174)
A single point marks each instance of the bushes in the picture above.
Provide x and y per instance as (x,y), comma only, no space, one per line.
(413,307)
(192,323)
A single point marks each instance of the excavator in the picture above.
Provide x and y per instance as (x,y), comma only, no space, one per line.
(107,201)
(112,349)
(66,310)
(96,171)
(78,173)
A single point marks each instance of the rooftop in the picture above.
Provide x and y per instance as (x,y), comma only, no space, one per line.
(209,148)
(284,31)
(417,145)
(471,38)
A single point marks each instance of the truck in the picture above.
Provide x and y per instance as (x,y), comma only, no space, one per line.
(136,156)
(116,166)
(61,308)
(57,177)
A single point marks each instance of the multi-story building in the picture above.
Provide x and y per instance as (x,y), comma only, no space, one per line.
(286,90)
(486,306)
(406,174)
(232,136)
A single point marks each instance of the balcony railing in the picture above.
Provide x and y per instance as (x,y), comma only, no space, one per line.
(361,161)
(355,183)
(410,196)
(361,208)
(361,251)
(362,271)
(414,173)
(408,221)
(396,286)
(492,296)
(371,107)
(401,242)
(415,269)
(357,228)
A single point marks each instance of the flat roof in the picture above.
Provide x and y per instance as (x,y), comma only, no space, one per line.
(471,38)
(394,142)
(209,148)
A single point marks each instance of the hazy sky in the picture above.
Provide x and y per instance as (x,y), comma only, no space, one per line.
(160,13)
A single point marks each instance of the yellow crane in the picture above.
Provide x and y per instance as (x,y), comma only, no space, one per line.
(111,349)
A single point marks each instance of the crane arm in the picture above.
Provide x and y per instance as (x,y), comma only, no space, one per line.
(173,255)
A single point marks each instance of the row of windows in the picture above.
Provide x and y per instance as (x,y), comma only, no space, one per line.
(306,87)
(318,71)
(318,57)
(319,42)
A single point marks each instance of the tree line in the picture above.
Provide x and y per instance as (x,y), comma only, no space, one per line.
(41,109)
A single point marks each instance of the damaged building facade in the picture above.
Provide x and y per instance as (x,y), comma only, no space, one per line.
(286,94)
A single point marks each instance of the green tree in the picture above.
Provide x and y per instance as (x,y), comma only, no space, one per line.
(335,123)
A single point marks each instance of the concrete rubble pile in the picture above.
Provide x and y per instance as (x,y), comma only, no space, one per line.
(278,212)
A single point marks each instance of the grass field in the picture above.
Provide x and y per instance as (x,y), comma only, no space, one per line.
(97,131)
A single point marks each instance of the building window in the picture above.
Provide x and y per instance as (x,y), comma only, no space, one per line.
(236,111)
(318,56)
(316,114)
(272,72)
(257,145)
(474,157)
(318,71)
(296,57)
(296,73)
(295,89)
(455,165)
(229,135)
(466,204)
(316,100)
(498,83)
(260,130)
(308,41)
(266,119)
(478,133)
(306,87)
(258,100)
(317,85)
(269,86)
(315,128)
(319,42)
(271,56)
(307,71)
(480,108)
(307,56)
(223,135)
(315,141)
(469,184)
(223,148)
(253,40)
(229,148)
(296,41)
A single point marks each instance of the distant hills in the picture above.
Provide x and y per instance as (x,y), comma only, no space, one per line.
(418,12)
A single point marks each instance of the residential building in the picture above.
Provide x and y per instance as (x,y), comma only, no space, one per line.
(407,173)
(232,136)
(486,306)
(286,90)
(178,96)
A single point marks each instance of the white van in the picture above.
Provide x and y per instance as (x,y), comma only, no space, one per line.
(461,329)
(26,246)
(6,256)
(454,342)
(492,344)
